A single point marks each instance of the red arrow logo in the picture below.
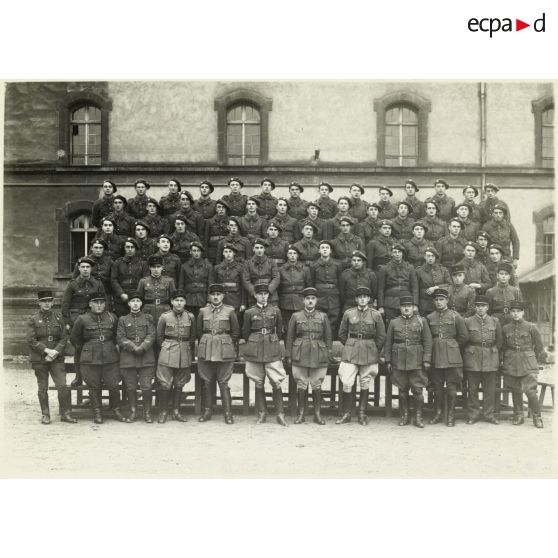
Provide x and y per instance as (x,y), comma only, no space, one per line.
(519,25)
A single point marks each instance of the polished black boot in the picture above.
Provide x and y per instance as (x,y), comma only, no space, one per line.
(347,407)
(517,399)
(163,407)
(452,396)
(78,380)
(114,404)
(133,403)
(227,404)
(419,402)
(95,398)
(535,407)
(147,399)
(403,409)
(45,411)
(261,407)
(278,401)
(362,404)
(317,400)
(207,404)
(65,404)
(438,400)
(177,399)
(302,398)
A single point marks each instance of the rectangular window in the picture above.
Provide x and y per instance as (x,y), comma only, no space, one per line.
(243,135)
(401,137)
(548,247)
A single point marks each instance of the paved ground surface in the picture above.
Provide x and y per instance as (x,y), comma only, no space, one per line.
(380,450)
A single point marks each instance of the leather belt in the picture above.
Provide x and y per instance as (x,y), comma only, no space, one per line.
(155,301)
(178,338)
(483,344)
(313,336)
(216,332)
(326,286)
(407,343)
(50,338)
(361,336)
(264,331)
(518,348)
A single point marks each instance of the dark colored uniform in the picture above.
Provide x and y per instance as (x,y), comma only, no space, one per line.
(462,300)
(351,280)
(237,203)
(137,206)
(469,229)
(378,251)
(395,280)
(387,211)
(242,245)
(446,205)
(146,247)
(419,208)
(157,225)
(343,247)
(181,243)
(253,227)
(328,207)
(359,209)
(268,205)
(297,208)
(276,249)
(76,297)
(171,265)
(486,206)
(504,234)
(261,269)
(205,207)
(450,250)
(114,243)
(326,278)
(230,276)
(293,279)
(123,224)
(101,208)
(195,278)
(100,271)
(437,228)
(194,221)
(431,276)
(368,230)
(492,268)
(475,272)
(322,226)
(125,276)
(334,224)
(402,229)
(499,302)
(216,229)
(309,250)
(474,213)
(156,295)
(290,231)
(170,204)
(416,250)
(481,360)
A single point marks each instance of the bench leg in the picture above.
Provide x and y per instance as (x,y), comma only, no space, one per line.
(377,383)
(292,396)
(245,395)
(198,394)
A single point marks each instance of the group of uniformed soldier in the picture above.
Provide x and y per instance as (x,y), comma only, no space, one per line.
(424,299)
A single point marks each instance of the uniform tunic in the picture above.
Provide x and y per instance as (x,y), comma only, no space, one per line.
(123,224)
(499,301)
(363,334)
(114,243)
(482,257)
(195,278)
(334,224)
(237,203)
(402,229)
(268,205)
(100,271)
(450,250)
(523,349)
(253,227)
(76,297)
(359,209)
(343,247)
(369,229)
(504,234)
(351,280)
(395,280)
(137,206)
(492,268)
(194,221)
(171,265)
(125,275)
(446,205)
(387,211)
(170,204)
(321,224)
(416,250)
(469,229)
(156,292)
(486,206)
(242,245)
(218,332)
(206,207)
(293,279)
(326,277)
(290,230)
(146,247)
(475,272)
(462,299)
(297,208)
(158,225)
(437,228)
(230,276)
(419,208)
(276,249)
(262,329)
(101,208)
(449,333)
(485,341)
(309,250)
(428,275)
(328,207)
(216,229)
(261,269)
(181,243)
(378,251)
(309,340)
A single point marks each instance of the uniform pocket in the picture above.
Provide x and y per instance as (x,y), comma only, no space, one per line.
(248,350)
(202,348)
(297,349)
(454,354)
(228,350)
(86,355)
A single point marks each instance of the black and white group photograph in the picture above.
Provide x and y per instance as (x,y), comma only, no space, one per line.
(278,279)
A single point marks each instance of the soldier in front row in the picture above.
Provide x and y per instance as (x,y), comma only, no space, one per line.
(47,337)
(309,349)
(362,333)
(218,335)
(407,354)
(523,353)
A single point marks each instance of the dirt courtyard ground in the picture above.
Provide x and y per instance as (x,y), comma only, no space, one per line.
(215,450)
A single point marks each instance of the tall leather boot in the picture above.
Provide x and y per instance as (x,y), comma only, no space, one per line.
(261,407)
(347,407)
(227,404)
(302,399)
(176,400)
(452,396)
(45,411)
(419,402)
(438,402)
(95,398)
(403,409)
(278,401)
(207,404)
(133,403)
(517,399)
(147,399)
(362,404)
(535,407)
(65,404)
(114,404)
(78,380)
(317,400)
(163,396)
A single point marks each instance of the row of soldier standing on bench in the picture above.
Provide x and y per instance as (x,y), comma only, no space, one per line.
(415,351)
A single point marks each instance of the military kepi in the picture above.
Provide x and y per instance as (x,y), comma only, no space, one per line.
(441,292)
(517,305)
(405,300)
(309,291)
(216,288)
(45,295)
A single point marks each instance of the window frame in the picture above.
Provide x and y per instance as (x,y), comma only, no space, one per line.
(71,102)
(539,218)
(400,125)
(537,108)
(410,100)
(224,103)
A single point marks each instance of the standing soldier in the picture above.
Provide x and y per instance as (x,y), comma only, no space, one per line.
(104,205)
(135,336)
(451,246)
(502,232)
(289,225)
(501,295)
(146,245)
(275,247)
(523,353)
(483,253)
(252,225)
(490,202)
(445,204)
(308,247)
(297,206)
(137,206)
(343,206)
(155,289)
(328,207)
(481,361)
(171,262)
(218,335)
(378,249)
(387,209)
(157,225)
(407,354)
(461,296)
(309,348)
(359,207)
(176,336)
(469,195)
(326,278)
(395,279)
(125,275)
(195,277)
(194,220)
(261,269)
(94,333)
(76,302)
(268,203)
(370,227)
(262,331)
(229,274)
(416,246)
(358,275)
(241,243)
(235,200)
(449,334)
(345,243)
(402,224)
(47,337)
(476,275)
(182,238)
(431,276)
(322,226)
(362,333)
(123,221)
(102,267)
(171,202)
(469,228)
(437,228)
(106,234)
(294,277)
(216,229)
(411,189)
(204,204)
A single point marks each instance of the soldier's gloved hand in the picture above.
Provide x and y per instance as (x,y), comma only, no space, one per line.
(389,368)
(426,366)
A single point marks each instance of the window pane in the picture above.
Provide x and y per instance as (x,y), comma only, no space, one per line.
(252,139)
(392,140)
(409,140)
(234,160)
(94,114)
(78,246)
(548,225)
(79,114)
(392,116)
(409,162)
(234,139)
(409,116)
(234,114)
(252,160)
(252,114)
(548,117)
